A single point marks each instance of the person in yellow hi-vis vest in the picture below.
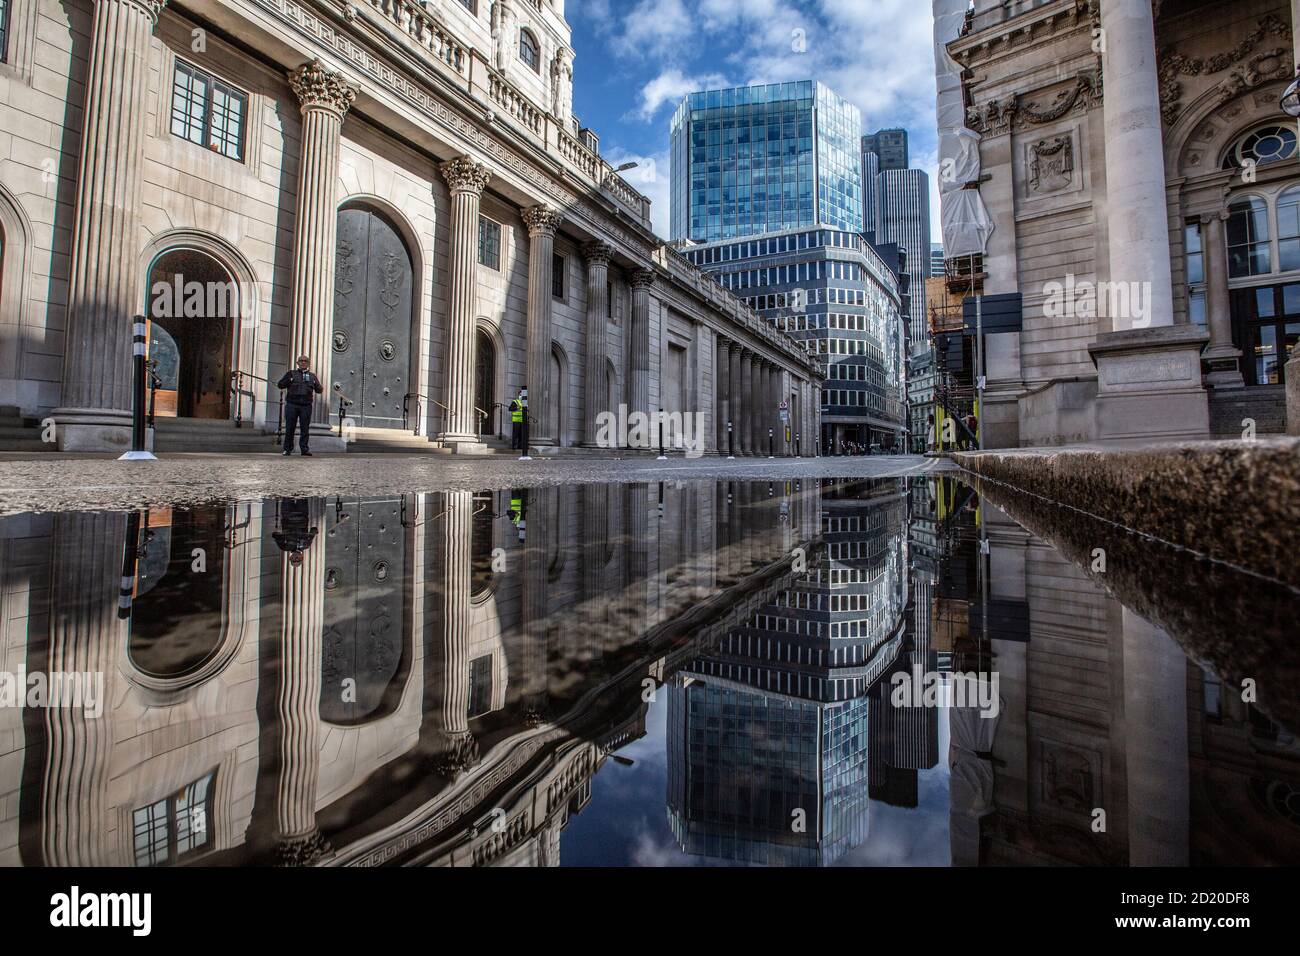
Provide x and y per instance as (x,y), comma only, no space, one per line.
(517,409)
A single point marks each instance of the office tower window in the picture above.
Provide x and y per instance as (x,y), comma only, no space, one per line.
(207,111)
(489,243)
(529,51)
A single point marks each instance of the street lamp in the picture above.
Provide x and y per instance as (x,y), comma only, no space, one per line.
(1291,97)
(626,166)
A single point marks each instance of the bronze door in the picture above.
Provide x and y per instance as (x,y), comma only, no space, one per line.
(365,610)
(373,290)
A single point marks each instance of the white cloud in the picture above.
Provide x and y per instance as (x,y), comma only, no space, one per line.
(651,177)
(670,86)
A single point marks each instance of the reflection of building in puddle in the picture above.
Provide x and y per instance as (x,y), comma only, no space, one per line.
(1111,746)
(776,738)
(423,678)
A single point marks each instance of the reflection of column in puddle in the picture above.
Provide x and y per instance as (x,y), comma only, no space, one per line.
(595,532)
(636,504)
(453,614)
(299,841)
(1155,731)
(536,623)
(85,634)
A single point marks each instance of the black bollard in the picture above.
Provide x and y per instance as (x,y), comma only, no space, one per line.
(138,439)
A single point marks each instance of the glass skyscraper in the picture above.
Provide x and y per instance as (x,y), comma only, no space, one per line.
(757,159)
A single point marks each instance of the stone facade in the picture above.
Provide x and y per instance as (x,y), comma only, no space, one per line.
(354,111)
(1145,212)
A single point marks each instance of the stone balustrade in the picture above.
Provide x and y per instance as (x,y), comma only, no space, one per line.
(424,30)
(515,103)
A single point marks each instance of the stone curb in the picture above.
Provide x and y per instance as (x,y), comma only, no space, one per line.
(1237,502)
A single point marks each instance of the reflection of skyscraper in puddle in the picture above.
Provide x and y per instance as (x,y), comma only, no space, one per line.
(768,731)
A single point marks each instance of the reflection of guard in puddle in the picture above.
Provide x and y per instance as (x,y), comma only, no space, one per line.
(516,514)
(295,532)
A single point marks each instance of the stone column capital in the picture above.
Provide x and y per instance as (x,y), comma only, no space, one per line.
(151,7)
(1209,218)
(320,88)
(598,253)
(541,220)
(464,175)
(642,278)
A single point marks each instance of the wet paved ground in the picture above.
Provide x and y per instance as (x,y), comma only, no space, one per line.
(772,671)
(58,484)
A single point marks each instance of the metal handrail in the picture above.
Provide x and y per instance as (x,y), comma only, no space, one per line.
(420,398)
(344,403)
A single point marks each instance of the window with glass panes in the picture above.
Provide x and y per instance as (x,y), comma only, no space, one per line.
(489,243)
(208,111)
(176,827)
(559,266)
(4,30)
(1195,273)
(1266,327)
(1249,251)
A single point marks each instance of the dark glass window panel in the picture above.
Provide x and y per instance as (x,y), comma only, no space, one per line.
(528,51)
(558,268)
(1290,299)
(4,30)
(489,243)
(1264,303)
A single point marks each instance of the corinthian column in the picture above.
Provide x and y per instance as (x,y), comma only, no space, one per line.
(467,180)
(745,432)
(722,391)
(456,559)
(298,701)
(640,342)
(597,396)
(1221,355)
(325,99)
(735,407)
(103,296)
(85,637)
(1135,172)
(542,222)
(1142,345)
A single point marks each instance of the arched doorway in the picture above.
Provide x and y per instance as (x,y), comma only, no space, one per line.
(178,608)
(485,377)
(559,389)
(193,307)
(373,288)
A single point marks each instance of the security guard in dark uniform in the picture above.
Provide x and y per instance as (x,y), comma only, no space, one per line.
(301,388)
(296,533)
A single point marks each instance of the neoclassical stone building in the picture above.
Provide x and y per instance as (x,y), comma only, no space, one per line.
(1136,151)
(398,190)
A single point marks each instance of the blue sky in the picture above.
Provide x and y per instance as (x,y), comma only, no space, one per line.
(636,59)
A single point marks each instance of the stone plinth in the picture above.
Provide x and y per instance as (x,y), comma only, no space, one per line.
(1149,384)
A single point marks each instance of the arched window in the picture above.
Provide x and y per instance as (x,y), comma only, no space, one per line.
(1268,144)
(1288,230)
(529,51)
(1248,238)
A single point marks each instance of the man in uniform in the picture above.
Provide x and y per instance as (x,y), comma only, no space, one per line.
(301,388)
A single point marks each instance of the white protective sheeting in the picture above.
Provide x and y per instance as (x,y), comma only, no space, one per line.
(966,223)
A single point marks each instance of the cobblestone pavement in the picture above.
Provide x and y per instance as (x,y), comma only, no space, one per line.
(98,484)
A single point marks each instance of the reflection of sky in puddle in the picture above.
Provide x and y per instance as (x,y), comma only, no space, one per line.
(626,823)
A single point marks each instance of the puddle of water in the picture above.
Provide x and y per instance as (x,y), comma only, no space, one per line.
(852,672)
